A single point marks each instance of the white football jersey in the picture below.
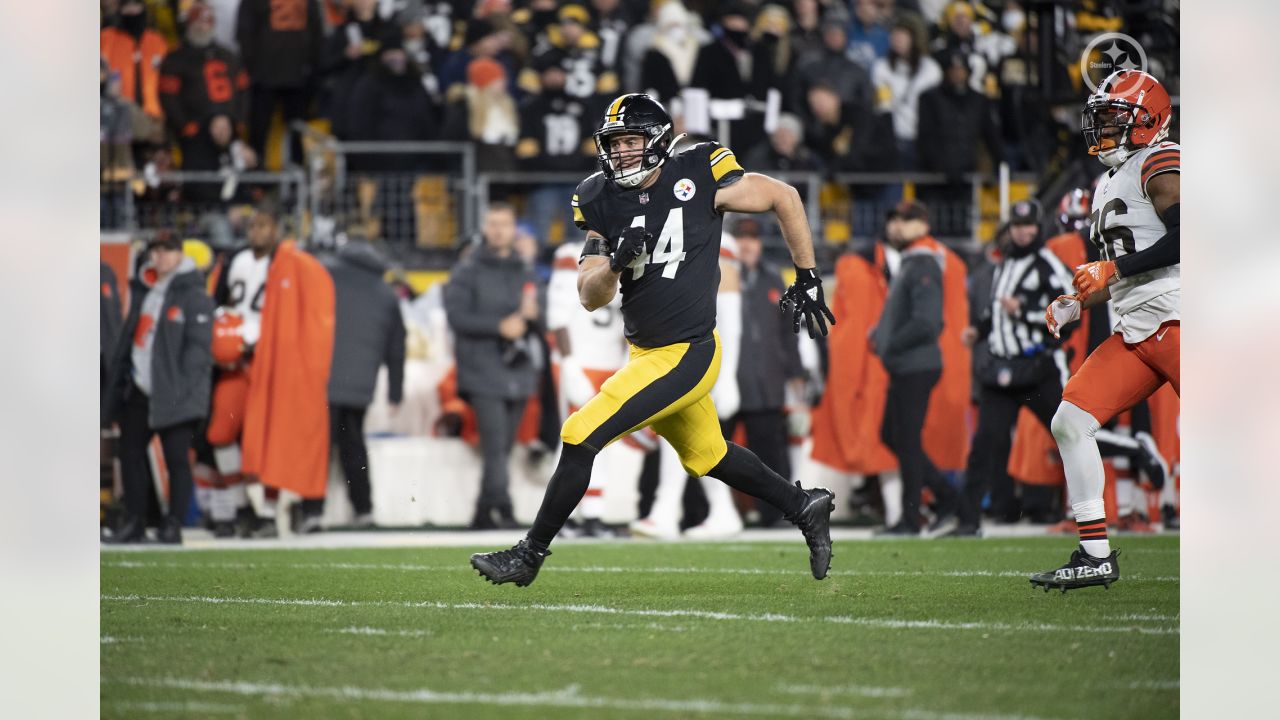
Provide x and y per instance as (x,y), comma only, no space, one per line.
(595,338)
(1123,222)
(247,288)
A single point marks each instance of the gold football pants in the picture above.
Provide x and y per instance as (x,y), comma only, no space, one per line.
(667,388)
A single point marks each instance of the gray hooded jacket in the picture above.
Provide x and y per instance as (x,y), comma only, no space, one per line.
(906,338)
(368,328)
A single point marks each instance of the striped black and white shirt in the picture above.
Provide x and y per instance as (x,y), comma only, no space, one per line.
(1035,279)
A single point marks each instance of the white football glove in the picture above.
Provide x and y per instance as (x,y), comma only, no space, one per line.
(1064,310)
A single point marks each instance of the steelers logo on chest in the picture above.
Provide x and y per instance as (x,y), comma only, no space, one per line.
(684,189)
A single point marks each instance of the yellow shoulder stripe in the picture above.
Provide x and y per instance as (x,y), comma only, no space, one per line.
(724,165)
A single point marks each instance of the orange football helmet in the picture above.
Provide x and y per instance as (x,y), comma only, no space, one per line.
(1129,111)
(228,342)
(1073,209)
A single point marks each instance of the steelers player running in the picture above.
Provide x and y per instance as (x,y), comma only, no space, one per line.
(1135,226)
(653,220)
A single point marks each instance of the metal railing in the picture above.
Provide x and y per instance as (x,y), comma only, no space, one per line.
(196,202)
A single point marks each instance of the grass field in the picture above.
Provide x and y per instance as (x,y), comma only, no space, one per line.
(917,630)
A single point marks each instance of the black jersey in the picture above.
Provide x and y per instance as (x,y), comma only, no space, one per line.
(669,292)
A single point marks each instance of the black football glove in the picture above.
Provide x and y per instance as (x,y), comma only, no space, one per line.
(630,246)
(804,300)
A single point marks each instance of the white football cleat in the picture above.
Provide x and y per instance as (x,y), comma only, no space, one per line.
(647,527)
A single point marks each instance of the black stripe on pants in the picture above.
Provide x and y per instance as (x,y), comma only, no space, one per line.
(175,441)
(904,411)
(989,455)
(346,429)
(657,395)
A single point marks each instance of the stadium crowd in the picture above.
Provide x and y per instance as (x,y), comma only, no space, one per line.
(256,361)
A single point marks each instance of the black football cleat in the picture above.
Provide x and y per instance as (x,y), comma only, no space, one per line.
(1083,570)
(519,565)
(814,520)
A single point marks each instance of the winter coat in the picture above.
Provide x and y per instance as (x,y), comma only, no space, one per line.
(181,361)
(281,41)
(368,329)
(770,353)
(109,320)
(483,289)
(906,338)
(951,125)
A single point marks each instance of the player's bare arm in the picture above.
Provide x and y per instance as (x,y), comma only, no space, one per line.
(597,282)
(756,193)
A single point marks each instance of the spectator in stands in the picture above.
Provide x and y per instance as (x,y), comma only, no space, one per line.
(667,64)
(480,41)
(954,120)
(555,135)
(611,19)
(388,102)
(958,35)
(806,33)
(535,21)
(772,55)
(281,44)
(161,378)
(829,64)
(352,48)
(844,136)
(491,299)
(485,113)
(499,14)
(869,31)
(588,76)
(785,150)
(900,78)
(906,340)
(205,95)
(368,334)
(723,73)
(132,52)
(768,365)
(421,48)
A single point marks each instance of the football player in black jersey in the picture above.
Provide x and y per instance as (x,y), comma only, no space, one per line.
(653,222)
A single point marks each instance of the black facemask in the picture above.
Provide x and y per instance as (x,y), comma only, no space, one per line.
(737,37)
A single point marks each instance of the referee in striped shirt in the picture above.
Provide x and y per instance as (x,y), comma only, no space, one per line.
(1024,365)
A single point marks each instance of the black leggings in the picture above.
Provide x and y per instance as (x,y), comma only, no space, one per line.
(989,456)
(346,430)
(175,442)
(904,411)
(766,432)
(497,420)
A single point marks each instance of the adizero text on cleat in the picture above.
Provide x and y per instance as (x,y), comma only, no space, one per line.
(814,521)
(1083,570)
(519,565)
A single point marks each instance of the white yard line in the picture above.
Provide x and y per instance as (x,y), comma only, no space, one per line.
(112,640)
(569,697)
(879,623)
(177,708)
(128,564)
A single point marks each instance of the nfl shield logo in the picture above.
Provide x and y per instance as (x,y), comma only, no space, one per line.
(644,198)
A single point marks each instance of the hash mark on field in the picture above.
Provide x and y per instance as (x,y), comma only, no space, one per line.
(568,697)
(134,564)
(379,631)
(870,691)
(112,640)
(879,623)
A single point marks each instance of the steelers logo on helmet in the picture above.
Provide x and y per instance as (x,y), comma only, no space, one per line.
(634,114)
(1130,110)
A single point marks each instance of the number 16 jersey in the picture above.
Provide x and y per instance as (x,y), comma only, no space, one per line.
(1124,221)
(669,292)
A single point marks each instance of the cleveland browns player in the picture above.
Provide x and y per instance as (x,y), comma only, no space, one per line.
(653,220)
(1134,224)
